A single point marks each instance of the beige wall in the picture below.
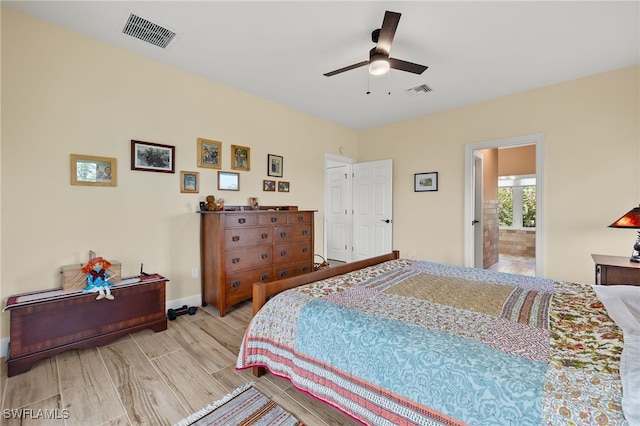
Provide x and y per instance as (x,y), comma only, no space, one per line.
(64,93)
(515,161)
(592,168)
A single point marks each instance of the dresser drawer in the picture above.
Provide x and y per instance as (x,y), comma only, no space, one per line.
(239,285)
(240,220)
(272,218)
(289,270)
(246,258)
(299,217)
(291,232)
(292,252)
(243,237)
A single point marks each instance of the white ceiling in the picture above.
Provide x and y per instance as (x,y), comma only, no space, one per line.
(475,50)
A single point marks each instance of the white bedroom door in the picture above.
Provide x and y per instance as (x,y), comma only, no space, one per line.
(372,208)
(339,213)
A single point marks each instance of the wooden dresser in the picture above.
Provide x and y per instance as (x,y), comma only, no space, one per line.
(238,248)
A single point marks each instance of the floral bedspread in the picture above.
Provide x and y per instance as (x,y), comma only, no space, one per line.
(413,342)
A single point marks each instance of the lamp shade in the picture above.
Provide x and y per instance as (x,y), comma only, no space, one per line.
(378,64)
(629,220)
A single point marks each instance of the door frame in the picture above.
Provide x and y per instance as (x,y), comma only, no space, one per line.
(328,159)
(478,203)
(537,139)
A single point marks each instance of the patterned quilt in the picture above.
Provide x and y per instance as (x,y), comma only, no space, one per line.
(414,342)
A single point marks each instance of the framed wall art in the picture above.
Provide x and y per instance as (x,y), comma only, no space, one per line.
(425,182)
(152,157)
(268,185)
(209,153)
(240,158)
(189,182)
(283,186)
(228,181)
(93,171)
(274,165)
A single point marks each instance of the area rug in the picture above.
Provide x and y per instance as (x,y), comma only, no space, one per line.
(245,406)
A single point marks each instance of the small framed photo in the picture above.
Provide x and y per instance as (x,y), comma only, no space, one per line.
(283,186)
(152,157)
(93,171)
(425,182)
(274,165)
(268,185)
(240,158)
(209,153)
(189,182)
(228,181)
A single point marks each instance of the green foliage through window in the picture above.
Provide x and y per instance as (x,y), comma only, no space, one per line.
(506,216)
(505,206)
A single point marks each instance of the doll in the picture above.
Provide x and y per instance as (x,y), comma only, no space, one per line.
(98,278)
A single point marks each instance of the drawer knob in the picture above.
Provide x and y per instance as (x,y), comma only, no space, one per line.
(264,277)
(304,249)
(305,232)
(264,236)
(274,219)
(283,273)
(305,268)
(235,238)
(283,234)
(300,218)
(235,284)
(242,220)
(264,255)
(283,253)
(235,260)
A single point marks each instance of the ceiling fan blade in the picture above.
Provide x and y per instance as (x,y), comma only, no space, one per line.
(401,65)
(387,32)
(350,67)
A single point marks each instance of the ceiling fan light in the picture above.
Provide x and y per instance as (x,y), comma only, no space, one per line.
(378,67)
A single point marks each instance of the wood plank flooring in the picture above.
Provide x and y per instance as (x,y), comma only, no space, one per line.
(149,378)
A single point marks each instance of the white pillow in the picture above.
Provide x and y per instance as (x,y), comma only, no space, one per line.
(623,306)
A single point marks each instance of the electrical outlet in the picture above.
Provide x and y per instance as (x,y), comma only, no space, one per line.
(195,272)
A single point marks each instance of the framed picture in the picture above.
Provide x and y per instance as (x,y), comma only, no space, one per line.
(274,165)
(425,182)
(240,158)
(228,181)
(93,171)
(283,186)
(209,153)
(268,185)
(152,157)
(189,182)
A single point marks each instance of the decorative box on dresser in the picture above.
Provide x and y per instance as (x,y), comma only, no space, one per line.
(611,270)
(238,248)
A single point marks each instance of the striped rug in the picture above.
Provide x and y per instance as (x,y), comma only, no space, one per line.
(245,406)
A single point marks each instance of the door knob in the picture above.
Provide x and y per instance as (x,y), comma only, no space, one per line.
(473,222)
(385,220)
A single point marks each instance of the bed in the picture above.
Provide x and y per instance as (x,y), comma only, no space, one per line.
(393,341)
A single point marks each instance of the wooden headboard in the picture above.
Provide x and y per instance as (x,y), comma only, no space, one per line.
(262,291)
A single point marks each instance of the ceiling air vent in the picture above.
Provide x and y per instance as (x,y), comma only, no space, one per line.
(415,91)
(145,30)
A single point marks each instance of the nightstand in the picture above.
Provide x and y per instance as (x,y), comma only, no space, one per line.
(616,270)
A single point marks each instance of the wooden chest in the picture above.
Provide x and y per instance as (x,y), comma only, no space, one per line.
(238,248)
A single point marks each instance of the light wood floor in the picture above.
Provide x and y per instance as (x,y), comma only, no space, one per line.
(150,378)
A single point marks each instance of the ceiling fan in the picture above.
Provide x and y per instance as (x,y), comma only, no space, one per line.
(379,61)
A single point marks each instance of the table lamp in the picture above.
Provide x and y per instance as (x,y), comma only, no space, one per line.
(631,220)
